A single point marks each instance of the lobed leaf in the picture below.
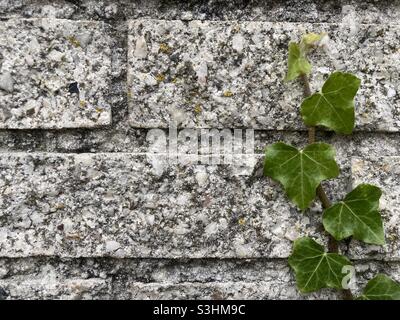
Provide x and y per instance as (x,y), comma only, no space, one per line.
(333,107)
(314,268)
(357,215)
(300,172)
(381,288)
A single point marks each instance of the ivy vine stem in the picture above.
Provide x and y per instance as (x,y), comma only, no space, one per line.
(326,203)
(302,172)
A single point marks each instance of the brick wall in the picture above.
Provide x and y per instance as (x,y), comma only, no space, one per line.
(87,210)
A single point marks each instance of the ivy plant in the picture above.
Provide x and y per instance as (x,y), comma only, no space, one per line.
(301,171)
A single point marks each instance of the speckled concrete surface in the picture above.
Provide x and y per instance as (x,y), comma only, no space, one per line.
(89,213)
(129,205)
(54,74)
(230,74)
(110,278)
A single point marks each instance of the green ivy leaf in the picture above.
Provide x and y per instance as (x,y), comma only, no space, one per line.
(311,39)
(381,288)
(302,171)
(333,107)
(297,62)
(357,215)
(316,269)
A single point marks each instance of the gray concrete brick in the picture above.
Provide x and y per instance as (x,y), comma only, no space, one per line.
(66,220)
(228,74)
(46,287)
(141,205)
(54,74)
(128,205)
(114,278)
